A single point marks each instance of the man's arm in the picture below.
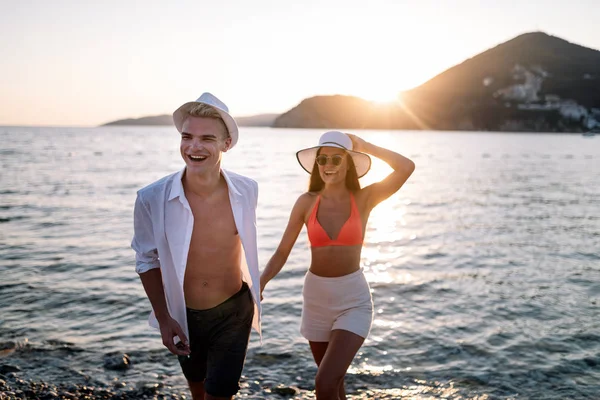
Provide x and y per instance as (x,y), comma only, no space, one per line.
(148,268)
(169,328)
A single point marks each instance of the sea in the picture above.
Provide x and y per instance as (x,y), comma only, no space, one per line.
(484,267)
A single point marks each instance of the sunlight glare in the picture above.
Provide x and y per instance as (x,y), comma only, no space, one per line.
(382,95)
(371,369)
(385,323)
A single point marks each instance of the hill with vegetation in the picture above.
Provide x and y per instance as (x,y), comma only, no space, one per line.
(534,82)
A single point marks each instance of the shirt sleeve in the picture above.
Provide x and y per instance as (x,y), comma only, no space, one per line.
(255,195)
(146,255)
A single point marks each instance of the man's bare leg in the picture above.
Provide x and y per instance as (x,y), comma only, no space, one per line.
(197,389)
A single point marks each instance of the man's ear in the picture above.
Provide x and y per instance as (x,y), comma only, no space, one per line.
(227,144)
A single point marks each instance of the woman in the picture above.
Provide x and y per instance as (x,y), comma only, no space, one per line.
(337,310)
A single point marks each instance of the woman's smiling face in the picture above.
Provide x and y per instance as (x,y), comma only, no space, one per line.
(331,173)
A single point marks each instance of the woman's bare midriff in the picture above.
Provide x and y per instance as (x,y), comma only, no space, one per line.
(333,261)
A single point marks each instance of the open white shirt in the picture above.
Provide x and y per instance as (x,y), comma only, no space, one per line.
(163,224)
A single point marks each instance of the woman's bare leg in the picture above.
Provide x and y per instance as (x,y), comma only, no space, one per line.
(334,358)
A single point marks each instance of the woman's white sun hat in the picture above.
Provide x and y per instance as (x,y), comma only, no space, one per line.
(306,157)
(180,114)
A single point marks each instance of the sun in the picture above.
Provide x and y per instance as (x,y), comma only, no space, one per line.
(382,95)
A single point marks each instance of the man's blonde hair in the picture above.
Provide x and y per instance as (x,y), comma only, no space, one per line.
(205,111)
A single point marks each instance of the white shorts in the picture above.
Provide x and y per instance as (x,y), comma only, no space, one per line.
(342,302)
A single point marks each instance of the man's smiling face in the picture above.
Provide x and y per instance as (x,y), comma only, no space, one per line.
(202,142)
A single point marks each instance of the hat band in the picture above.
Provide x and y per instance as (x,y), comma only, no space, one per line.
(343,147)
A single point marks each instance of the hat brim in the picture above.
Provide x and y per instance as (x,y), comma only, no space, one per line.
(180,114)
(306,158)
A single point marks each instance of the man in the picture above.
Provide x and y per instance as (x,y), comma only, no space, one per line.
(196,253)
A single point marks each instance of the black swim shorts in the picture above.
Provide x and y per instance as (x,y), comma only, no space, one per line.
(218,343)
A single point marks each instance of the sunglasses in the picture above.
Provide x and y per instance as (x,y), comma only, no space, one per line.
(336,159)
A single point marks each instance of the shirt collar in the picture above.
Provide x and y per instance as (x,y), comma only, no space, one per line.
(177,186)
(230,184)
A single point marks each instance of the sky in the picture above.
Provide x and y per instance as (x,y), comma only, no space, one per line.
(75,63)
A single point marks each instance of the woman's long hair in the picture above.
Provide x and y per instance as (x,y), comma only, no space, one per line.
(316,184)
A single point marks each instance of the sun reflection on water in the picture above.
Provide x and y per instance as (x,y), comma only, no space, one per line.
(365,368)
(386,230)
(384,323)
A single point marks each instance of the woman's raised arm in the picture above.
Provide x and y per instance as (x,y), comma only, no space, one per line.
(402,169)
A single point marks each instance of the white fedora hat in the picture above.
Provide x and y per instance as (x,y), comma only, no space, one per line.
(306,157)
(180,114)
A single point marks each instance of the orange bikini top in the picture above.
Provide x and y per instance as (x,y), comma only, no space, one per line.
(350,234)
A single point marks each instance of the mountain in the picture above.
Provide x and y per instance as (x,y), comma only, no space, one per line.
(534,82)
(345,112)
(257,120)
(154,120)
(253,120)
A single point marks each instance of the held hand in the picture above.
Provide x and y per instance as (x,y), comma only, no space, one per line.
(263,283)
(168,330)
(358,144)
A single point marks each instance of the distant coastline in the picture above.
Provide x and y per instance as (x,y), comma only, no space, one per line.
(167,120)
(532,83)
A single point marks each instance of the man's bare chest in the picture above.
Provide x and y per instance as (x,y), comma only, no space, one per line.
(214,221)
